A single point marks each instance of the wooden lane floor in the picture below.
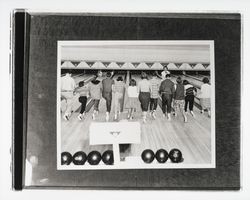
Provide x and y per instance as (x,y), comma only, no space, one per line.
(192,138)
(197,77)
(75,133)
(83,77)
(197,82)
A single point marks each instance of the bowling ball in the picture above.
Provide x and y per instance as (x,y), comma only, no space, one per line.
(148,156)
(175,156)
(94,157)
(161,155)
(79,158)
(66,158)
(108,157)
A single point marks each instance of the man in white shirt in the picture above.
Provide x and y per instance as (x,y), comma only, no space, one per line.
(205,96)
(164,72)
(68,86)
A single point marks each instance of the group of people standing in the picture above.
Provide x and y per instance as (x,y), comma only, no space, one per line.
(96,89)
(146,92)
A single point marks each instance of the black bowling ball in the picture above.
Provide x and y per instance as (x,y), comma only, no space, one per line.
(108,157)
(66,158)
(94,157)
(79,158)
(148,156)
(175,156)
(161,155)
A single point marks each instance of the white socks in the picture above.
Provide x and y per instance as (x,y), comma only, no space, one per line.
(107,116)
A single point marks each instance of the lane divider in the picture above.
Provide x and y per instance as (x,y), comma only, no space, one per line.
(126,80)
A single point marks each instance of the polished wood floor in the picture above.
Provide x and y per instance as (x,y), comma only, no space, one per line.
(192,138)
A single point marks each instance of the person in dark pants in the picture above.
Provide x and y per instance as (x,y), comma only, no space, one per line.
(190,92)
(83,91)
(144,94)
(107,93)
(118,89)
(166,91)
(154,94)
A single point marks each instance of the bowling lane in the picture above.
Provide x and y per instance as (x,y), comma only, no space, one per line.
(192,138)
(193,80)
(84,77)
(79,77)
(75,133)
(197,77)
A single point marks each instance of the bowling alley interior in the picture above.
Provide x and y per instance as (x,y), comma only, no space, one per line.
(148,139)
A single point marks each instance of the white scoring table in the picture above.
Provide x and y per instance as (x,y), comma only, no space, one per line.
(114,133)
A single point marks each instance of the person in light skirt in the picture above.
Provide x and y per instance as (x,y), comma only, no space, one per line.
(132,98)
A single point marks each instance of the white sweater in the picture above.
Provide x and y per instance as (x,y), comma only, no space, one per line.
(205,91)
(132,91)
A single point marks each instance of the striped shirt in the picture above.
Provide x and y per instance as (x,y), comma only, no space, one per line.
(190,90)
(154,85)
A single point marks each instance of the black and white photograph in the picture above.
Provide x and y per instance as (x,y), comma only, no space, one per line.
(135,104)
(126,101)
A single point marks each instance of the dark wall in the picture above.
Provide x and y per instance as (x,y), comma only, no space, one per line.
(225,30)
